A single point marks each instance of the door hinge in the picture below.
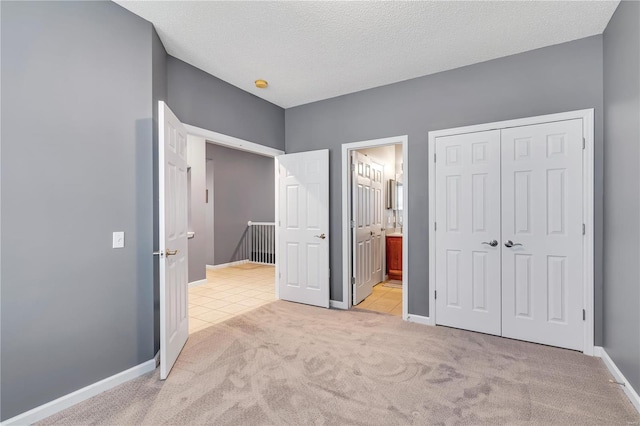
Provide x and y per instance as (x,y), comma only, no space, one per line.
(584,143)
(435,226)
(352,224)
(435,294)
(353,280)
(584,315)
(584,229)
(434,157)
(353,167)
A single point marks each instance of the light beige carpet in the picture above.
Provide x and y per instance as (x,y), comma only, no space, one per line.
(290,364)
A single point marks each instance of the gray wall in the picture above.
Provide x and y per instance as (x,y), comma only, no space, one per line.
(202,100)
(196,159)
(244,190)
(622,190)
(553,79)
(76,166)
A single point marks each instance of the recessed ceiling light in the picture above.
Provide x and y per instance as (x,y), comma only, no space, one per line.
(261,84)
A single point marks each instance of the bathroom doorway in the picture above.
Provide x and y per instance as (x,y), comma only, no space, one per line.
(374,217)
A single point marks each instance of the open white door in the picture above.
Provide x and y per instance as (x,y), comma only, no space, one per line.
(303,227)
(362,207)
(377,225)
(174,319)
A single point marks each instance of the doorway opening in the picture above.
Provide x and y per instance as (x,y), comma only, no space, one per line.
(231,229)
(375,237)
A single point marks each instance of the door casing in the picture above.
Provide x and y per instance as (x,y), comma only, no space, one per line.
(587,117)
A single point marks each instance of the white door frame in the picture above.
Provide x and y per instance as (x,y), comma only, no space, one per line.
(587,117)
(347,296)
(255,148)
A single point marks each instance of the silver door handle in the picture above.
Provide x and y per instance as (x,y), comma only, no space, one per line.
(492,243)
(321,236)
(171,252)
(510,244)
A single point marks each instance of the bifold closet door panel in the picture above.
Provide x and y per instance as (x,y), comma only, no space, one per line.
(542,199)
(468,223)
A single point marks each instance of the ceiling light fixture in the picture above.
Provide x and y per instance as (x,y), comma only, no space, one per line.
(261,84)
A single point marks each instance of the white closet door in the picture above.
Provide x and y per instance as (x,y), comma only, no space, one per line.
(362,232)
(468,231)
(377,225)
(542,290)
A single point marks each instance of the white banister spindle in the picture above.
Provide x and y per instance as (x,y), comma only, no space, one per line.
(261,242)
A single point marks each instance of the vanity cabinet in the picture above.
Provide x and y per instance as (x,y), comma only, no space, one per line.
(394,256)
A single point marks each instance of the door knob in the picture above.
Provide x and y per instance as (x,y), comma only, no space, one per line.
(371,232)
(321,236)
(510,244)
(492,243)
(171,252)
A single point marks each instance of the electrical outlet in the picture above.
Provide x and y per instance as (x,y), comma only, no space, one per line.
(118,240)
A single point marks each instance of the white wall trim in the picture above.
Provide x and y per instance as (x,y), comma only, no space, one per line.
(64,402)
(347,299)
(335,304)
(197,283)
(226,265)
(587,117)
(419,319)
(231,142)
(276,219)
(631,393)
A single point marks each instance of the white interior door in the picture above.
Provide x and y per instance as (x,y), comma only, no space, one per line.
(362,209)
(377,222)
(468,231)
(542,217)
(303,227)
(174,319)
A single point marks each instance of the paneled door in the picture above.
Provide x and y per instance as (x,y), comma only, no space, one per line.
(362,214)
(174,319)
(377,222)
(542,232)
(468,231)
(303,227)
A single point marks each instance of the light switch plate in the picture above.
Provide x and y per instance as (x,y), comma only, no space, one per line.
(118,240)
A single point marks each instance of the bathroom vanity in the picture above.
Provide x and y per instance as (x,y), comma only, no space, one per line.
(394,256)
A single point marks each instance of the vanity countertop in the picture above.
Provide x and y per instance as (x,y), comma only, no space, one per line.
(395,234)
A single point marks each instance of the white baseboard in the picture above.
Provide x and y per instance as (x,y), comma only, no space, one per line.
(337,305)
(64,402)
(618,376)
(197,283)
(226,265)
(419,319)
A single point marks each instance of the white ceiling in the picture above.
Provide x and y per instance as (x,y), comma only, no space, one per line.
(309,51)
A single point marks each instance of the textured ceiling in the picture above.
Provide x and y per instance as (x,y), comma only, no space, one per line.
(309,51)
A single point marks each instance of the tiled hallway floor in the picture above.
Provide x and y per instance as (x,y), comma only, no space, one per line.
(229,292)
(383,299)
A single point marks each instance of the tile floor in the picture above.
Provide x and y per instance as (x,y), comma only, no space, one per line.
(383,299)
(228,292)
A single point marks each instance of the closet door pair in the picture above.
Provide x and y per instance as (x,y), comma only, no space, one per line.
(509,236)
